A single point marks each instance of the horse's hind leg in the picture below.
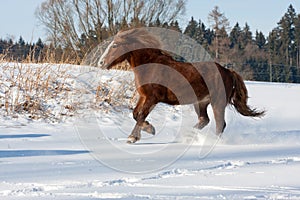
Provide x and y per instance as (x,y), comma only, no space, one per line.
(201,110)
(219,113)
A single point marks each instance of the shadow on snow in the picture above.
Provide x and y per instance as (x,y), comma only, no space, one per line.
(23,136)
(30,153)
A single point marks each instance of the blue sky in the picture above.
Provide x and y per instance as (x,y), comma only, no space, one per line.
(17,16)
(261,15)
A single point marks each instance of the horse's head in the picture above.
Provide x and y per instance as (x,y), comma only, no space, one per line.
(124,43)
(114,53)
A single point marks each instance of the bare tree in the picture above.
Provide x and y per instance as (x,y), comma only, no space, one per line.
(70,21)
(218,22)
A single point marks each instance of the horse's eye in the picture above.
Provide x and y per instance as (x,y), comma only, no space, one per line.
(115,45)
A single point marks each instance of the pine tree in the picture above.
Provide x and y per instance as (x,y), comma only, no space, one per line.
(200,33)
(260,39)
(287,34)
(274,45)
(224,43)
(158,22)
(297,42)
(191,28)
(235,36)
(209,36)
(21,41)
(246,35)
(38,50)
(175,26)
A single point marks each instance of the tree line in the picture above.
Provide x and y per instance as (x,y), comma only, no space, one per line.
(275,57)
(21,51)
(76,26)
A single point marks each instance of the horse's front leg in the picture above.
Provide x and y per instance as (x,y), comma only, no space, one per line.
(146,126)
(140,113)
(135,134)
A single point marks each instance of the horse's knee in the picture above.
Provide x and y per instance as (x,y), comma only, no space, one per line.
(135,115)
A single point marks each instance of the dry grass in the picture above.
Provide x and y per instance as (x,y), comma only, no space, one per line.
(51,92)
(28,89)
(39,88)
(111,96)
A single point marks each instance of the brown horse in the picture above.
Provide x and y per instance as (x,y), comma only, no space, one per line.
(161,78)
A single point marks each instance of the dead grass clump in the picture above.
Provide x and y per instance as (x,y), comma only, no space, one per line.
(29,89)
(117,92)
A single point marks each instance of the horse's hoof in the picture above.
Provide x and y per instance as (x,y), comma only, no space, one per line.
(132,140)
(148,128)
(129,142)
(200,125)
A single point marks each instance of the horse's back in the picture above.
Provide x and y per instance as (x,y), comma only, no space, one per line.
(212,73)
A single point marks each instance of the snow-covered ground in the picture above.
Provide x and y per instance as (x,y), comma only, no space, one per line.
(86,156)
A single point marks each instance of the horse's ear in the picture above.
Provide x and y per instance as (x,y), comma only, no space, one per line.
(164,53)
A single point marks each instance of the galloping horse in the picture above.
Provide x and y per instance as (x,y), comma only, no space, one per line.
(159,77)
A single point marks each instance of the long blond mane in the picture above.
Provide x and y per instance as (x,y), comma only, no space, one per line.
(140,37)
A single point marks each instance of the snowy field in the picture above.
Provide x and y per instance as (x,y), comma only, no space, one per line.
(85,156)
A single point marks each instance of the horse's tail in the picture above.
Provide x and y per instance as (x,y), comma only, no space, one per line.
(240,97)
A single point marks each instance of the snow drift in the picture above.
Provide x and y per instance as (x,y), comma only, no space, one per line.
(46,159)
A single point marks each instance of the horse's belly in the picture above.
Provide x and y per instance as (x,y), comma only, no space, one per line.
(186,97)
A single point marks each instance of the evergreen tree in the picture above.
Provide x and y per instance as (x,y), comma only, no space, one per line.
(260,39)
(235,36)
(224,43)
(39,44)
(158,22)
(201,33)
(287,36)
(175,26)
(38,50)
(21,41)
(191,29)
(2,46)
(274,44)
(297,42)
(165,25)
(209,36)
(246,36)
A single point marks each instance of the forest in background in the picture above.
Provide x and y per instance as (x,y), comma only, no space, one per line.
(275,57)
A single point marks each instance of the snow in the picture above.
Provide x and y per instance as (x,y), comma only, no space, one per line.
(85,155)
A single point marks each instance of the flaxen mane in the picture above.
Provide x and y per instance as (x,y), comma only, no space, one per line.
(140,37)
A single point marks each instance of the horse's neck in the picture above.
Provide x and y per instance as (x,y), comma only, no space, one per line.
(139,58)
